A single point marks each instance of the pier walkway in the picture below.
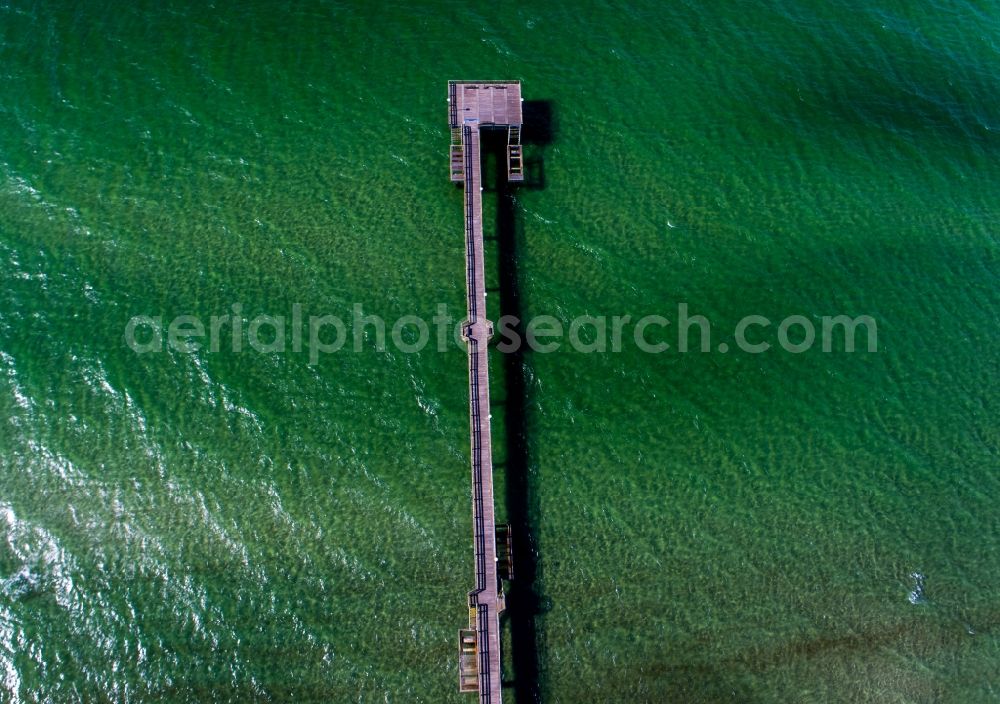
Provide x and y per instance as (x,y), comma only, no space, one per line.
(473,107)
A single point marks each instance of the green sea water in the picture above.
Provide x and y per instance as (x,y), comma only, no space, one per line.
(704,527)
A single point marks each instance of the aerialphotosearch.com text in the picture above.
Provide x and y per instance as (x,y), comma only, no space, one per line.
(326,334)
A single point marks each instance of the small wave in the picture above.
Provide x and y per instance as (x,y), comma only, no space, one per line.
(44,565)
(20,395)
(20,585)
(20,187)
(916,595)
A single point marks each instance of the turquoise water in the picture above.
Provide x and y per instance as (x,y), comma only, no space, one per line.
(223,527)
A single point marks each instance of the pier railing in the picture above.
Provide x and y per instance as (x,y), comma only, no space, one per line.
(470,233)
(485,684)
(477,466)
(492,105)
(475,411)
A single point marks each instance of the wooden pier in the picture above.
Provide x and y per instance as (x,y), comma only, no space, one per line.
(472,107)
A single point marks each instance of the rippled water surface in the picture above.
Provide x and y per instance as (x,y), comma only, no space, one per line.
(246,527)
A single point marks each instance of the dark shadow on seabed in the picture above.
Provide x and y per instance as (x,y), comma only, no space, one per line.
(524,603)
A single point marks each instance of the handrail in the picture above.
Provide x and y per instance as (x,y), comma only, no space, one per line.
(482,616)
(473,314)
(453,99)
(470,240)
(475,411)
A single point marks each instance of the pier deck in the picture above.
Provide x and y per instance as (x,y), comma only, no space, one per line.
(474,106)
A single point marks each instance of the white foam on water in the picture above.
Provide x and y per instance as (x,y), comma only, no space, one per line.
(20,396)
(46,567)
(10,639)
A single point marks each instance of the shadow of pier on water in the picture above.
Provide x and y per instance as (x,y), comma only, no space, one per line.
(525,604)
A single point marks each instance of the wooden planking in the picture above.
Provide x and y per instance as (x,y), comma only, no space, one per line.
(485,102)
(473,105)
(486,595)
